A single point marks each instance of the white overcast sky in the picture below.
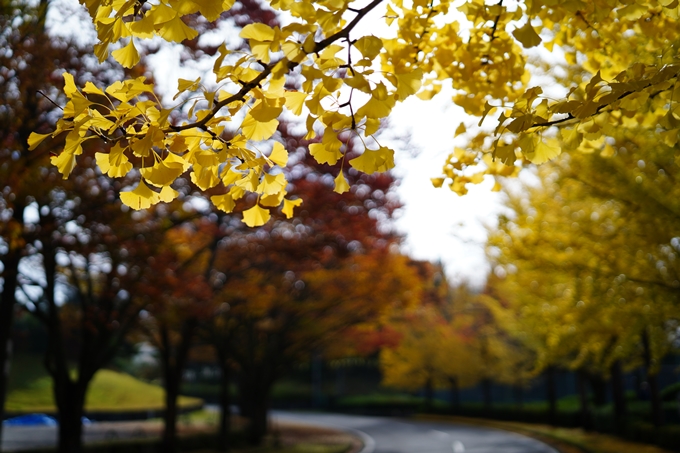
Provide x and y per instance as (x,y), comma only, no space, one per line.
(440,225)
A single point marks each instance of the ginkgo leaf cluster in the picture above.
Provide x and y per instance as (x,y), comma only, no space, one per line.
(251,89)
(348,82)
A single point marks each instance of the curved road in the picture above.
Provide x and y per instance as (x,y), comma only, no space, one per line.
(393,435)
(379,434)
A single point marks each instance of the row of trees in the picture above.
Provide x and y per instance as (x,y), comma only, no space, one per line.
(98,274)
(585,278)
(585,259)
(594,246)
(453,341)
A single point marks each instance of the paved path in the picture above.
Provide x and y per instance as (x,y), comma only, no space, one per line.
(393,435)
(17,438)
(379,434)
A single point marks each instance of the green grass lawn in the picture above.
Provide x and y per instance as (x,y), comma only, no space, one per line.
(109,391)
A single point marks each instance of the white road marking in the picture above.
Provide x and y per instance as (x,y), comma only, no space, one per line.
(440,434)
(369,442)
(458,447)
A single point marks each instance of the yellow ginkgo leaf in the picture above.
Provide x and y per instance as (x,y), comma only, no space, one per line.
(437,182)
(69,84)
(274,200)
(256,216)
(184,84)
(369,46)
(127,56)
(272,185)
(527,35)
(544,152)
(341,184)
(212,9)
(177,31)
(140,198)
(256,130)
(91,88)
(35,139)
(103,162)
(323,155)
(101,51)
(292,51)
(390,15)
(223,202)
(409,83)
(258,32)
(279,155)
(168,194)
(205,177)
(264,111)
(161,174)
(295,101)
(289,207)
(65,162)
(371,161)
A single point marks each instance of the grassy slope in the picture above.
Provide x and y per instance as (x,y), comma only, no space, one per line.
(109,391)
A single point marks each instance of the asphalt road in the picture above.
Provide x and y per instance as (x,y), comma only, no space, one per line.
(17,438)
(393,435)
(379,434)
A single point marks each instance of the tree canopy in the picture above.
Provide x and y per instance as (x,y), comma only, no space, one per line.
(320,65)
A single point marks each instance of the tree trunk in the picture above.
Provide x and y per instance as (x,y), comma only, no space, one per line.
(169,439)
(582,390)
(486,392)
(70,404)
(255,389)
(455,394)
(317,380)
(429,394)
(618,396)
(173,360)
(654,397)
(7,304)
(599,387)
(551,394)
(225,404)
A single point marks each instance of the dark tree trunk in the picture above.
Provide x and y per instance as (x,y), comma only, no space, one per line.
(225,404)
(654,397)
(173,358)
(618,396)
(317,381)
(70,397)
(455,394)
(582,389)
(7,303)
(486,392)
(551,394)
(10,274)
(655,400)
(169,439)
(255,389)
(599,387)
(429,394)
